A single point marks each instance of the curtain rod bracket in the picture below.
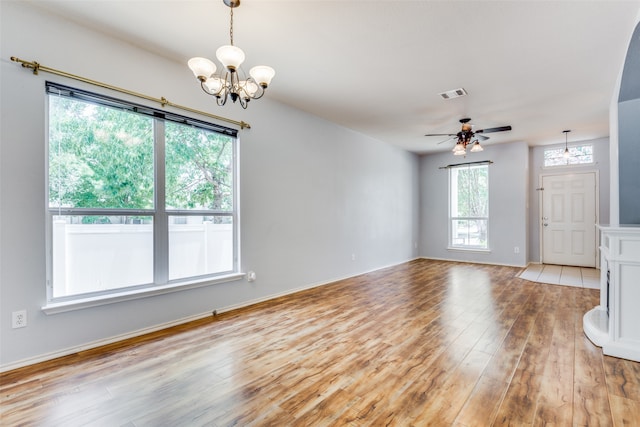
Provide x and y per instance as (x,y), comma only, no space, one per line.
(36,67)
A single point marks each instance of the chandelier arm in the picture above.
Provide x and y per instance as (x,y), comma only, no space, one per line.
(261,93)
(204,88)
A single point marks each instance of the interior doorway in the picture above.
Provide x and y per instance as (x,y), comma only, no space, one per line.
(569,214)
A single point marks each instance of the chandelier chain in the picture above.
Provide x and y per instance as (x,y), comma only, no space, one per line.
(231,26)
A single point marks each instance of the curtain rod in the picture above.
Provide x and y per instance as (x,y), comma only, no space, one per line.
(35,66)
(482,162)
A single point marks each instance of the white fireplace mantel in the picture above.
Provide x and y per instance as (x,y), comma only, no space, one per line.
(614,325)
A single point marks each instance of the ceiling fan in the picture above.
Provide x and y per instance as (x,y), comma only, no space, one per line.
(468,136)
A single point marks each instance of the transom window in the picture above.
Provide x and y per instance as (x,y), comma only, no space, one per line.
(469,206)
(137,197)
(578,155)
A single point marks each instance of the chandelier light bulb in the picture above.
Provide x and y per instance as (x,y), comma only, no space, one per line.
(262,74)
(250,88)
(230,56)
(202,68)
(566,153)
(214,85)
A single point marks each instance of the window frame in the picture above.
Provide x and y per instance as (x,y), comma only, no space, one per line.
(467,248)
(160,213)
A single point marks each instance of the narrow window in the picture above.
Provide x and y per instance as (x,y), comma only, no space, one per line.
(469,207)
(578,155)
(136,197)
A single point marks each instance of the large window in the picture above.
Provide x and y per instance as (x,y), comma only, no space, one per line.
(469,206)
(137,197)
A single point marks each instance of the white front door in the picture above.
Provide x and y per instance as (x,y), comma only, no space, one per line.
(569,219)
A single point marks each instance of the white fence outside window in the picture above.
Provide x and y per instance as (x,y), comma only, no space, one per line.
(95,257)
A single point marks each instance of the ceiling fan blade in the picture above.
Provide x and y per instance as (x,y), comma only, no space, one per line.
(441,134)
(448,139)
(498,129)
(482,137)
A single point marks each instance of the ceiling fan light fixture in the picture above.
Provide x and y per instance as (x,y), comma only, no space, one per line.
(459,149)
(476,147)
(467,136)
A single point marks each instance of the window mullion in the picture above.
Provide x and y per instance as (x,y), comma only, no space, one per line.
(161,220)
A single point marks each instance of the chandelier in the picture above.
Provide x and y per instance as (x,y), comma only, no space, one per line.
(229,83)
(566,153)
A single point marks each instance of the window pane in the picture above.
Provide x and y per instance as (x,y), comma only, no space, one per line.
(469,206)
(200,245)
(469,233)
(94,253)
(199,168)
(99,157)
(470,190)
(578,155)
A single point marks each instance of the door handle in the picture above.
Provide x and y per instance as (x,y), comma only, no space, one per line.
(545,224)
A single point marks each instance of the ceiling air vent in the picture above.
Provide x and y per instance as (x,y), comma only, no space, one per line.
(454,93)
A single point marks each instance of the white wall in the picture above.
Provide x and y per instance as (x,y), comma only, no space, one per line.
(508,177)
(601,164)
(312,193)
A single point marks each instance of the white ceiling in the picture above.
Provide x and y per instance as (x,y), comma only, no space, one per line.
(377,67)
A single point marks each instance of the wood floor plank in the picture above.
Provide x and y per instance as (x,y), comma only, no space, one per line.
(626,412)
(590,400)
(519,404)
(423,343)
(555,404)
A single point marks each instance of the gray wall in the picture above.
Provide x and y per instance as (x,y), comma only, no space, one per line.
(629,160)
(536,157)
(508,177)
(628,140)
(312,193)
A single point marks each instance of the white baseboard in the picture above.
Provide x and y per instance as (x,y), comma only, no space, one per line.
(76,349)
(474,262)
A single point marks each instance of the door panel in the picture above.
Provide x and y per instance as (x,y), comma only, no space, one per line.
(569,219)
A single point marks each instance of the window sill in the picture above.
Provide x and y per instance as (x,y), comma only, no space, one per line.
(476,250)
(82,303)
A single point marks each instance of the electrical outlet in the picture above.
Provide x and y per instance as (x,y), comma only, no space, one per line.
(516,250)
(353,257)
(19,319)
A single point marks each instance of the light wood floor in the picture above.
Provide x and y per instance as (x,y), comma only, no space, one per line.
(424,343)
